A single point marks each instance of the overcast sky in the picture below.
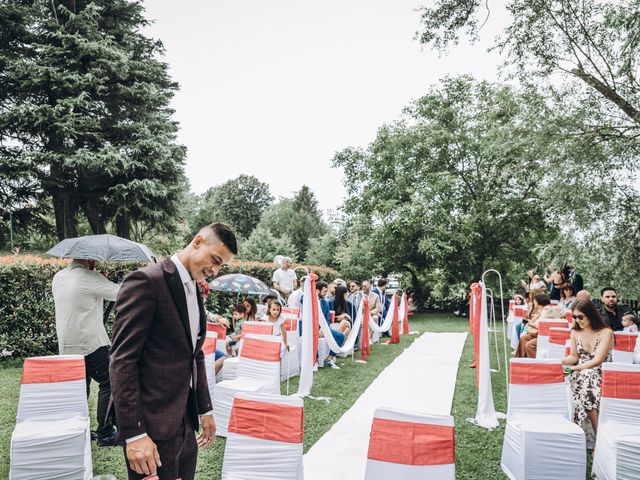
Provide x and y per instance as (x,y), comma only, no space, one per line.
(273,88)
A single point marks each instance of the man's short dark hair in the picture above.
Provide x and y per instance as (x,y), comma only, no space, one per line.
(224,233)
(606,289)
(320,285)
(382,282)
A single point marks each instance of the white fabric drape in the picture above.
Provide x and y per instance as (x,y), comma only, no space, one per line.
(485,413)
(388,320)
(306,342)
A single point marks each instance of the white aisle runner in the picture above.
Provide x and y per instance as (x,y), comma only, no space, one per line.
(421,379)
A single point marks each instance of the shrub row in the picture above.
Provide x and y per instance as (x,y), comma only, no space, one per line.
(27,313)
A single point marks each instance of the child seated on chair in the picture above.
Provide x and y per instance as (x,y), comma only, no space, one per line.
(237,318)
(629,322)
(274,309)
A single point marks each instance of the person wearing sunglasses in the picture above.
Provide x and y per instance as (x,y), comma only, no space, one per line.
(591,344)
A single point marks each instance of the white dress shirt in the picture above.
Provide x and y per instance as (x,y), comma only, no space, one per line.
(79,295)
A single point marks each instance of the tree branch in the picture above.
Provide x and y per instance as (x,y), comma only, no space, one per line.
(609,93)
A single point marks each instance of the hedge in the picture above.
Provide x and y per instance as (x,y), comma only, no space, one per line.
(27,312)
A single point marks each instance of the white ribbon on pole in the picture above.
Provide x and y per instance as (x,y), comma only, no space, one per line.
(486,416)
(388,320)
(306,342)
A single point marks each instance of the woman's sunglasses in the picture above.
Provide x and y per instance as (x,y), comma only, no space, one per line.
(578,317)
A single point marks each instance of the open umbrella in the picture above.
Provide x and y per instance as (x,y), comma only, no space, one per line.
(104,248)
(241,284)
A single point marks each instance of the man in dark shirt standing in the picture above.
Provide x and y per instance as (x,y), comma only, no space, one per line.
(610,310)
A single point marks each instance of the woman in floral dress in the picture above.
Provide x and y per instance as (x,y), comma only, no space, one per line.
(591,344)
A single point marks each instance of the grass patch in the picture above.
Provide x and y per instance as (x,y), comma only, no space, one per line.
(477,450)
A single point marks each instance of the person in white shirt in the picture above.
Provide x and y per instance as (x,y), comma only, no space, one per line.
(79,293)
(296,295)
(285,279)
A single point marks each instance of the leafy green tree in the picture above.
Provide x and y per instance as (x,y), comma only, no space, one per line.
(459,184)
(263,246)
(84,107)
(240,202)
(595,43)
(298,218)
(307,221)
(322,250)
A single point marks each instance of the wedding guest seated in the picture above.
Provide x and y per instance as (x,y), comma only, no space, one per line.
(591,344)
(528,343)
(345,311)
(568,296)
(251,309)
(321,291)
(518,300)
(237,318)
(274,311)
(630,322)
(610,311)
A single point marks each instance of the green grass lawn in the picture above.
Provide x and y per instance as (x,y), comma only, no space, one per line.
(477,450)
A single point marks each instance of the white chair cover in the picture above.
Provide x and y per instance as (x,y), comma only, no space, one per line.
(541,442)
(544,327)
(558,338)
(290,363)
(265,436)
(617,452)
(230,368)
(209,350)
(258,371)
(323,351)
(410,446)
(519,312)
(52,437)
(624,347)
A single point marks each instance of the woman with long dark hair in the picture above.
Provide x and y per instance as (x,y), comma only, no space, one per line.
(345,310)
(251,308)
(591,344)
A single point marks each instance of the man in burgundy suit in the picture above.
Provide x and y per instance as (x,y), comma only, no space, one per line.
(158,378)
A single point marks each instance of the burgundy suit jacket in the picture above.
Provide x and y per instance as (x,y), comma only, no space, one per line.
(152,356)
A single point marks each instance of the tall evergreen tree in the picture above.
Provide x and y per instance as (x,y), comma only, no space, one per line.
(84,106)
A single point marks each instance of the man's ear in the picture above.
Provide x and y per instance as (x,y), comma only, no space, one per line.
(197,241)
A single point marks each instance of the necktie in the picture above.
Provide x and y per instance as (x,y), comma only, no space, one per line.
(192,308)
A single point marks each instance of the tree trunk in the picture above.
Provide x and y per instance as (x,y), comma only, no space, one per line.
(96,222)
(123,227)
(417,288)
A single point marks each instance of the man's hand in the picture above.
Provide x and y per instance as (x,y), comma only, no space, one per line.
(208,431)
(222,321)
(143,456)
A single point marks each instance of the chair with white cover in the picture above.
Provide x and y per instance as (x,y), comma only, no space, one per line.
(52,437)
(624,347)
(558,337)
(258,371)
(519,312)
(411,446)
(290,363)
(264,441)
(540,440)
(230,365)
(209,350)
(544,327)
(323,351)
(617,452)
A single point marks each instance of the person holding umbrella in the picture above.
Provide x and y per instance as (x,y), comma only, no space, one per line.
(79,293)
